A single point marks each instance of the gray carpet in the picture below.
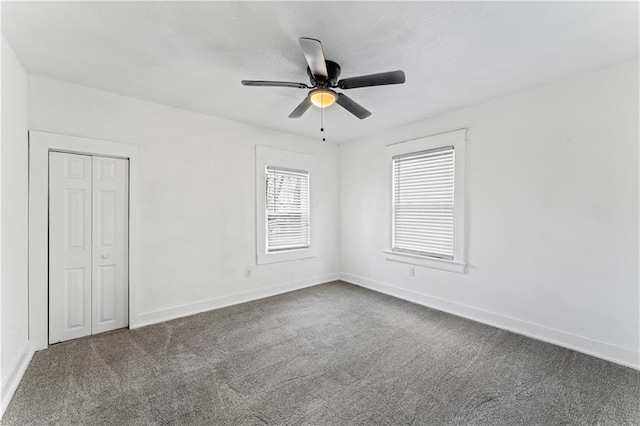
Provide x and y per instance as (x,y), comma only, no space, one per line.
(331,354)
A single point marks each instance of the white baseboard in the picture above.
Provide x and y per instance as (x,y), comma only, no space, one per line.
(607,351)
(161,315)
(10,384)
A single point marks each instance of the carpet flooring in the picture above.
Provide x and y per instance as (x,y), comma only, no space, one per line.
(330,354)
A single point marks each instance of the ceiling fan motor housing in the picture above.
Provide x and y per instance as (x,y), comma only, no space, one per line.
(333,69)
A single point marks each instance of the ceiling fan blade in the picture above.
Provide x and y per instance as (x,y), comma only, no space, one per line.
(275,84)
(350,105)
(380,79)
(312,50)
(301,109)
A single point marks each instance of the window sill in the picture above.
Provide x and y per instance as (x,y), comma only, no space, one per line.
(428,262)
(284,256)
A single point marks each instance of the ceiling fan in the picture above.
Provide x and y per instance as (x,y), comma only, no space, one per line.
(323,75)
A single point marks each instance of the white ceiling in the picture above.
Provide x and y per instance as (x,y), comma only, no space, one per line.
(192,55)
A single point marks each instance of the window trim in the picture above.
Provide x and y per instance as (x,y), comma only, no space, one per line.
(457,139)
(279,158)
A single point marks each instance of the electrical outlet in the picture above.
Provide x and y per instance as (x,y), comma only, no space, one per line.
(249,272)
(412,271)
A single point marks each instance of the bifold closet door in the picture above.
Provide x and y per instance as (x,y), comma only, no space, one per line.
(110,300)
(69,246)
(88,245)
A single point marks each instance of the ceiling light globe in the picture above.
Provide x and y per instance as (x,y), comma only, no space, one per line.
(323,98)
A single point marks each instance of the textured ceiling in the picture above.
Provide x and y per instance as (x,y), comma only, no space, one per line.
(192,55)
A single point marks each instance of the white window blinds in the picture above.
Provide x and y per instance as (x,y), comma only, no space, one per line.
(287,208)
(423,203)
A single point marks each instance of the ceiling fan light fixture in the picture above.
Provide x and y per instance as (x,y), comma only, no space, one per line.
(323,98)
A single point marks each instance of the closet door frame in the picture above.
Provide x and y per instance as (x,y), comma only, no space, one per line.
(40,144)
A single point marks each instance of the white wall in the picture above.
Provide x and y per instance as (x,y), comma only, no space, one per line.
(552,212)
(14,289)
(197,197)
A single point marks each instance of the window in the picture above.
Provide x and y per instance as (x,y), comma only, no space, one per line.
(426,208)
(423,203)
(287,209)
(284,200)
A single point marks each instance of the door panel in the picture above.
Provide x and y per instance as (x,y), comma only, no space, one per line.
(74,298)
(106,286)
(69,246)
(110,300)
(107,215)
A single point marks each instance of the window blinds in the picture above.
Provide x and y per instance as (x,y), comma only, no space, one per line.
(423,203)
(287,206)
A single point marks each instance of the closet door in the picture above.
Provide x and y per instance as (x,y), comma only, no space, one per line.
(69,246)
(110,299)
(88,245)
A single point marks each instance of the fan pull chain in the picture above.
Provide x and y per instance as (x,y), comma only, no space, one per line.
(322,124)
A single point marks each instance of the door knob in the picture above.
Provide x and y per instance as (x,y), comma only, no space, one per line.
(105,256)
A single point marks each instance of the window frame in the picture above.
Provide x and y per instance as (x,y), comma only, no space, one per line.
(456,139)
(281,159)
